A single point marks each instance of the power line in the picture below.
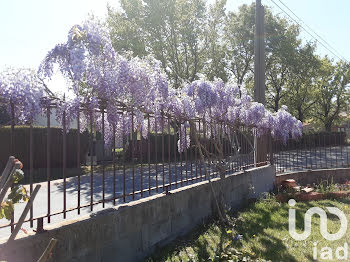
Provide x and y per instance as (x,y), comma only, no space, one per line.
(301,26)
(311,29)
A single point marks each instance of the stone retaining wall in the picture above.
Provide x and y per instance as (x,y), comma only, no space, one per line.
(132,231)
(309,177)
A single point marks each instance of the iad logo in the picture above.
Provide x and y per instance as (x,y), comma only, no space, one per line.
(323,227)
(341,253)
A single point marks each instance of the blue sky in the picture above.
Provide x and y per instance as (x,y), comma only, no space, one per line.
(330,19)
(29,29)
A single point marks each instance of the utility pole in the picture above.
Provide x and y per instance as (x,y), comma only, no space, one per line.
(259,75)
(259,66)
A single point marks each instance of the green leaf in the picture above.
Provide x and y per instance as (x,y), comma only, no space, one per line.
(6,209)
(18,175)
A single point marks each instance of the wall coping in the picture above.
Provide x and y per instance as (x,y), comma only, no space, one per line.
(313,170)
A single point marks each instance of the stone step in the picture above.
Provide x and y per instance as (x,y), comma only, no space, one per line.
(307,190)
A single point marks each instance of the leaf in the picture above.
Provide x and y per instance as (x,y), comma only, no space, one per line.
(228,243)
(18,175)
(2,213)
(25,195)
(16,194)
(7,209)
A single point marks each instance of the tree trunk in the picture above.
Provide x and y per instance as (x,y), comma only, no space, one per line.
(276,105)
(300,114)
(328,126)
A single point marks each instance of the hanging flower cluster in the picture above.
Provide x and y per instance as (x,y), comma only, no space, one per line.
(22,91)
(129,90)
(222,103)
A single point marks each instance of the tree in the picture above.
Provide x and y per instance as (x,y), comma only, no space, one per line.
(215,49)
(125,27)
(331,91)
(282,44)
(281,40)
(171,30)
(239,41)
(191,39)
(300,91)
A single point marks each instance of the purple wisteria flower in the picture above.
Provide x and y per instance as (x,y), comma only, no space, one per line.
(129,90)
(23,91)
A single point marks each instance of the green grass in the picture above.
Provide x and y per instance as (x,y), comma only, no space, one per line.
(264,226)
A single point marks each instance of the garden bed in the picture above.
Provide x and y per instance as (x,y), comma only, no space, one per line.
(324,190)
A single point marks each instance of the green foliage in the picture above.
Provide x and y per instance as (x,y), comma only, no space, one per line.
(170,30)
(18,193)
(194,39)
(332,93)
(128,35)
(239,42)
(326,186)
(215,50)
(281,53)
(300,95)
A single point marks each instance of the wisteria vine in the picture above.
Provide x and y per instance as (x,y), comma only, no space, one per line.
(129,90)
(22,90)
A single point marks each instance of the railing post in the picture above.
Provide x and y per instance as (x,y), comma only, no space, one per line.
(271,149)
(141,161)
(114,167)
(48,161)
(78,157)
(12,134)
(12,147)
(103,156)
(149,154)
(64,163)
(163,149)
(156,149)
(169,157)
(255,146)
(31,164)
(91,162)
(175,145)
(132,155)
(124,158)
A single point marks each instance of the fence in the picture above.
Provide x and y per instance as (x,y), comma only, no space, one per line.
(139,168)
(313,151)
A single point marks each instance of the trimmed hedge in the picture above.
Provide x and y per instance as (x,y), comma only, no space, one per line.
(174,150)
(322,139)
(21,146)
(4,117)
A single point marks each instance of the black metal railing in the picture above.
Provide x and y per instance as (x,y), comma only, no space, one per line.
(312,151)
(76,177)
